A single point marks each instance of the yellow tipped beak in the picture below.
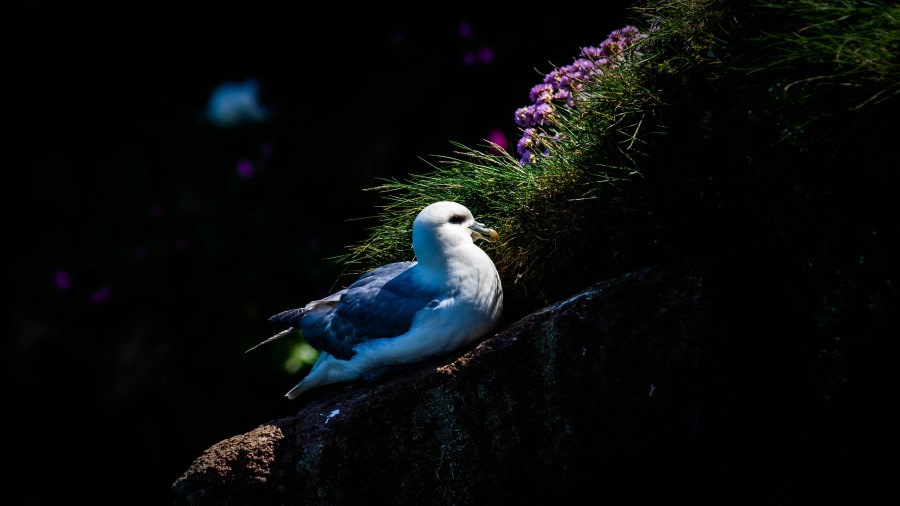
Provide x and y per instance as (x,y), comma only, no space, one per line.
(479,231)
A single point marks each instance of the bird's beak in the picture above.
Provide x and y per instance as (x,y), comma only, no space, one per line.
(479,231)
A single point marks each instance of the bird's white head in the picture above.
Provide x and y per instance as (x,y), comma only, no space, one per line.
(443,226)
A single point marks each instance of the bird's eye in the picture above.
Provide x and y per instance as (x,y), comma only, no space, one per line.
(457,219)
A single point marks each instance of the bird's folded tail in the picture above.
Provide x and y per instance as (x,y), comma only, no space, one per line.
(269,340)
(292,316)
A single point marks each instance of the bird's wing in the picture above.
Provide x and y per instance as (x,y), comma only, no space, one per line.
(294,317)
(380,304)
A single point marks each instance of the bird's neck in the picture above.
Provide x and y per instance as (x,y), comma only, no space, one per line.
(444,269)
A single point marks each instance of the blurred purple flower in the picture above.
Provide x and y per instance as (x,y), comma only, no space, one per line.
(465,30)
(157,211)
(141,251)
(62,280)
(486,55)
(245,168)
(181,245)
(100,296)
(497,136)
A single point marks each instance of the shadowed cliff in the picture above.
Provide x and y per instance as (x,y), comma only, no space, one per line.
(574,396)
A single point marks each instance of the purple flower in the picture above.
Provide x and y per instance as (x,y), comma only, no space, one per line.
(524,145)
(583,65)
(486,55)
(572,81)
(525,116)
(526,142)
(591,52)
(100,296)
(542,113)
(629,32)
(62,280)
(611,49)
(497,137)
(565,96)
(245,168)
(541,93)
(563,85)
(552,78)
(465,30)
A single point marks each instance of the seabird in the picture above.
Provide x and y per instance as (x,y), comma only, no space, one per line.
(404,312)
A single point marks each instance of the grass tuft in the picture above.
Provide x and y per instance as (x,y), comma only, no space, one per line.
(581,211)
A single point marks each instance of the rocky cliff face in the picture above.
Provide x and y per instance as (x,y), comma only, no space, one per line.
(597,394)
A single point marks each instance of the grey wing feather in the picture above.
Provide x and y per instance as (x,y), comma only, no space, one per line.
(269,340)
(380,304)
(294,317)
(291,317)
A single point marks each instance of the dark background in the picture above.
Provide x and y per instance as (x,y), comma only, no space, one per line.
(144,264)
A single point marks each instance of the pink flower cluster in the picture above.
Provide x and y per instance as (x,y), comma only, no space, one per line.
(563,86)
